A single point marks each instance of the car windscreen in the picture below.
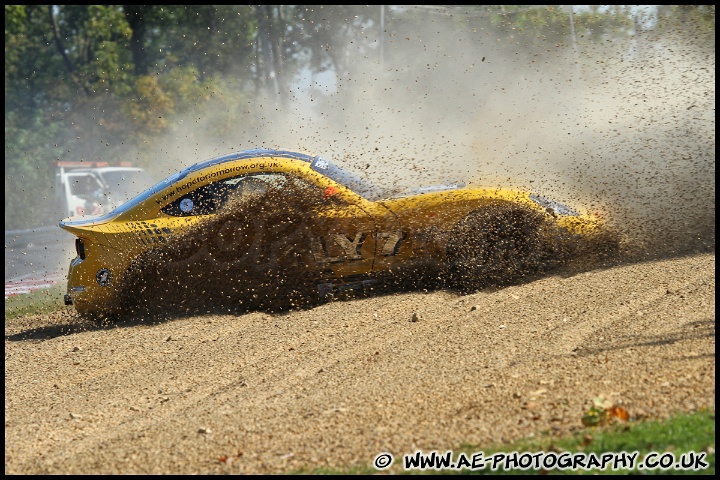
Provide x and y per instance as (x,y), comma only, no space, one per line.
(359,185)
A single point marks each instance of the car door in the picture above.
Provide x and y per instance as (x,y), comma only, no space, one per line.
(341,234)
(265,223)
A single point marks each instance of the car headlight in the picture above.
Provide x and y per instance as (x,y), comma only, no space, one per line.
(553,206)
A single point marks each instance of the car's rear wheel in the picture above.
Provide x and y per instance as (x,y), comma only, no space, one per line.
(497,245)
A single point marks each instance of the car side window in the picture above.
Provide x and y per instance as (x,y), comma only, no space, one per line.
(210,198)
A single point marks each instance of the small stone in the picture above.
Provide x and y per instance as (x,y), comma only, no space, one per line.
(75,416)
(76,349)
(204,430)
(415,317)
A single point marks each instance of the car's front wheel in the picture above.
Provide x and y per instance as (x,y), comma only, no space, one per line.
(498,244)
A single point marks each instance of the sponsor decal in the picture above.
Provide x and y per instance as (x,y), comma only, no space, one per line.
(216,175)
(350,248)
(329,192)
(321,164)
(103,277)
(236,241)
(186,205)
(390,242)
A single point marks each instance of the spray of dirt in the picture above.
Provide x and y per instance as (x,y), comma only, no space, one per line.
(264,250)
(254,253)
(626,131)
(625,126)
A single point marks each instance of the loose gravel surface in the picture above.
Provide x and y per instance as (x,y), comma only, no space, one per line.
(336,384)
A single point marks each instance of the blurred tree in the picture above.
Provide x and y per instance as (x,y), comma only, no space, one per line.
(693,21)
(81,79)
(334,37)
(31,102)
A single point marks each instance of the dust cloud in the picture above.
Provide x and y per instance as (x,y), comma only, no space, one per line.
(624,126)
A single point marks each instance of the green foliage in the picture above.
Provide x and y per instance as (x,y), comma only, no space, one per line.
(153,105)
(595,25)
(28,177)
(551,23)
(15,17)
(224,110)
(39,302)
(682,433)
(697,22)
(108,66)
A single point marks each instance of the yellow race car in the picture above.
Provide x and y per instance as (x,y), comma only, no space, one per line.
(274,226)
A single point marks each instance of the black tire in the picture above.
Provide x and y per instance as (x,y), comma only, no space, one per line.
(497,245)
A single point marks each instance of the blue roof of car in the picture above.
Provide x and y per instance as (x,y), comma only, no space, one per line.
(254,153)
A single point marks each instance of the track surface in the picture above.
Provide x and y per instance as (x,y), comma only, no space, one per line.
(334,385)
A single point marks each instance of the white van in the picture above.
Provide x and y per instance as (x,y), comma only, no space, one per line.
(91,188)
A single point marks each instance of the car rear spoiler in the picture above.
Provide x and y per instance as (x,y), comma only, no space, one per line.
(78,225)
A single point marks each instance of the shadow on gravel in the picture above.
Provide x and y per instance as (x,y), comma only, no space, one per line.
(691,331)
(72,326)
